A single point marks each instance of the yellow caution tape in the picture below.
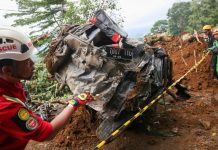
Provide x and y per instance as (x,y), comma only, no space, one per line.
(127,123)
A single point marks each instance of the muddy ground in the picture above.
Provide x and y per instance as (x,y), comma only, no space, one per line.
(178,125)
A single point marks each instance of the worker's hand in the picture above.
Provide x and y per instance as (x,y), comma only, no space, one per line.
(81,99)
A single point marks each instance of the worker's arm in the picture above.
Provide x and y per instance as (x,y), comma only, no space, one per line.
(62,119)
(215,45)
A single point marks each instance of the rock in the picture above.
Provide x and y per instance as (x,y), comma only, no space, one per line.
(186,37)
(213,134)
(189,87)
(175,130)
(205,124)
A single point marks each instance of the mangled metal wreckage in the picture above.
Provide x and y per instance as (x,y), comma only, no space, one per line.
(98,57)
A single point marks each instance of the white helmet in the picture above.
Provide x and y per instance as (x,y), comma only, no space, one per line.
(14,44)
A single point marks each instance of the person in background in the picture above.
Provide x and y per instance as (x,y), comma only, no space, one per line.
(209,38)
(18,124)
(214,50)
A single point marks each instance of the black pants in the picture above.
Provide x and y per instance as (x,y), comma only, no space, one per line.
(214,61)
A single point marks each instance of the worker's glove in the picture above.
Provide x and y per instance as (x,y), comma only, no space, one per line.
(81,99)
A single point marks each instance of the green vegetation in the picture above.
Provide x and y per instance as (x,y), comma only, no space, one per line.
(41,88)
(160,26)
(189,16)
(203,12)
(178,17)
(51,14)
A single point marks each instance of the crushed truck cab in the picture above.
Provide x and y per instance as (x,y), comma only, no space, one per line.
(100,58)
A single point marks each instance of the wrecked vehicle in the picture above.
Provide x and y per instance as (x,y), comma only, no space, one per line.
(98,57)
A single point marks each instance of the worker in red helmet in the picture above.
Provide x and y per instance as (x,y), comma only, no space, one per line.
(18,124)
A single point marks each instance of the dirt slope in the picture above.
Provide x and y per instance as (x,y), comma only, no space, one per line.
(184,58)
(190,124)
